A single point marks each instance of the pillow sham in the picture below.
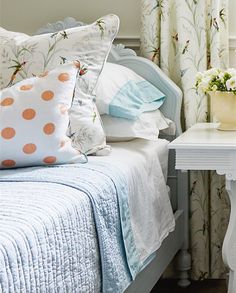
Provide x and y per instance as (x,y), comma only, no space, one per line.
(23,56)
(121,92)
(146,126)
(34,119)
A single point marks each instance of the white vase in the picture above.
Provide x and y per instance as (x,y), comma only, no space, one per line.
(223,109)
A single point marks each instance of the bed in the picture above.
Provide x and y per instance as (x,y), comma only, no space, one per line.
(73,228)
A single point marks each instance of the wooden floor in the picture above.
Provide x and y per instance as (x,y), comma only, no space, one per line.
(208,286)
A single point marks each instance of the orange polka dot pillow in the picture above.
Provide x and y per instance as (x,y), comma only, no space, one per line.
(22,56)
(34,119)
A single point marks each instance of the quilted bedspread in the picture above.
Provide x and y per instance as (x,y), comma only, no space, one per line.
(65,229)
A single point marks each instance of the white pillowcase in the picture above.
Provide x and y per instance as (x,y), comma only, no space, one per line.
(34,119)
(121,92)
(147,126)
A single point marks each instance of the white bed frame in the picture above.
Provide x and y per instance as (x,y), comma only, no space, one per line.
(178,240)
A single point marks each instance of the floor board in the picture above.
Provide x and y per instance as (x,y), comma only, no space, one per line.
(207,286)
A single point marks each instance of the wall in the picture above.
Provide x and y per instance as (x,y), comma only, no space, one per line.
(28,15)
(232,17)
(0,12)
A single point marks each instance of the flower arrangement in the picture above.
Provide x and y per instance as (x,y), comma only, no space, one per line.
(216,80)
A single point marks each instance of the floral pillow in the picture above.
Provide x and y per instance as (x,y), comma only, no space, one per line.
(23,56)
(34,119)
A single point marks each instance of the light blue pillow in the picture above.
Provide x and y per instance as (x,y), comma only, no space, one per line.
(122,93)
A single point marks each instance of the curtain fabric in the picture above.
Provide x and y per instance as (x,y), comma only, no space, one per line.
(183,37)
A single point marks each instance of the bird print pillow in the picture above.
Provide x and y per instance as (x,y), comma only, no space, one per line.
(23,56)
(34,120)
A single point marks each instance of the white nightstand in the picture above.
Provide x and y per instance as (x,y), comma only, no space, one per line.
(203,147)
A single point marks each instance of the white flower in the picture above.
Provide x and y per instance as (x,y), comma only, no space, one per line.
(222,76)
(214,88)
(203,86)
(212,71)
(199,76)
(231,84)
(231,71)
(216,80)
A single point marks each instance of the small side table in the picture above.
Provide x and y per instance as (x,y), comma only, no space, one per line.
(203,147)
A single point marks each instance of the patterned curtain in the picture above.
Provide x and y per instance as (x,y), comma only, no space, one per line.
(183,37)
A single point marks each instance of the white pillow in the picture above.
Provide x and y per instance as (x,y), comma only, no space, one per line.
(121,92)
(147,126)
(22,56)
(34,119)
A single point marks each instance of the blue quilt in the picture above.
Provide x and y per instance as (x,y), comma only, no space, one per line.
(46,215)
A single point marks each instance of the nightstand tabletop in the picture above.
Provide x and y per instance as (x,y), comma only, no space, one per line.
(205,136)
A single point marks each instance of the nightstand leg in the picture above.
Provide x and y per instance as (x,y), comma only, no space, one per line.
(229,246)
(184,258)
(232,282)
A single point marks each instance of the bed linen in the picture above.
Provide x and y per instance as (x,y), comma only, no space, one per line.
(120,92)
(143,161)
(60,225)
(147,126)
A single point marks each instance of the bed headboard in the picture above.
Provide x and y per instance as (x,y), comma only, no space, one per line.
(144,67)
(171,108)
(151,72)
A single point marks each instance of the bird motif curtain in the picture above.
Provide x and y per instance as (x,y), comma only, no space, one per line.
(184,37)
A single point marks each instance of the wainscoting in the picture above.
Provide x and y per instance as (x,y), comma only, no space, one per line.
(129,42)
(134,43)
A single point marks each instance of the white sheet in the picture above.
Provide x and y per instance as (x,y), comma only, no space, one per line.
(145,163)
